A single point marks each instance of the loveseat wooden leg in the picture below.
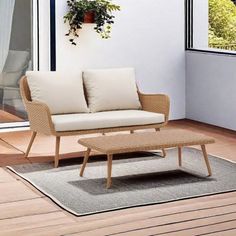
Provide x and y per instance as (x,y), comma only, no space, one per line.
(86,157)
(206,159)
(30,144)
(180,156)
(163,152)
(131,131)
(109,170)
(56,159)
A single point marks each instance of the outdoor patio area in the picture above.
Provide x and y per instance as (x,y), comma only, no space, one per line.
(117,118)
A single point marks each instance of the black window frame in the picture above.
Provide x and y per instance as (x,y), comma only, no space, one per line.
(189,31)
(52,35)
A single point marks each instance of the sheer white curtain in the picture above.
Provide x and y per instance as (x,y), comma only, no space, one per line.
(6,15)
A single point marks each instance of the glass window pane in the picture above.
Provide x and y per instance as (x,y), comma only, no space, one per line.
(222,24)
(16,56)
(214,25)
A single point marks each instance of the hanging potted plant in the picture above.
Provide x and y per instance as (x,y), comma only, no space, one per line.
(98,12)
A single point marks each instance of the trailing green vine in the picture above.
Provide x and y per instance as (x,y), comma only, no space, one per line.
(103,17)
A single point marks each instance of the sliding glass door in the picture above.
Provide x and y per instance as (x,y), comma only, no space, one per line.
(16,57)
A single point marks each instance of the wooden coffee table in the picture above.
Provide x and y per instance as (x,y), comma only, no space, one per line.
(125,143)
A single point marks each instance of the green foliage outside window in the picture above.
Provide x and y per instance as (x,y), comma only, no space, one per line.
(222,24)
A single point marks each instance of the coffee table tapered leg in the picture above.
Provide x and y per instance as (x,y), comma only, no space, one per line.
(163,152)
(86,157)
(206,159)
(109,169)
(180,155)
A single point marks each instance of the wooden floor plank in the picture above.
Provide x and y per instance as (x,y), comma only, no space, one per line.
(117,222)
(206,229)
(12,159)
(175,228)
(26,208)
(7,149)
(15,191)
(35,221)
(229,232)
(5,177)
(163,222)
(43,145)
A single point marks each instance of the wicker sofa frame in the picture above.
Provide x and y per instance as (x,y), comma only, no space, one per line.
(41,122)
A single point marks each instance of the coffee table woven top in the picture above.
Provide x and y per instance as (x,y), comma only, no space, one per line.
(142,141)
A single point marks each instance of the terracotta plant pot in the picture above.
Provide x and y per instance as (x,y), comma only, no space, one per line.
(89,17)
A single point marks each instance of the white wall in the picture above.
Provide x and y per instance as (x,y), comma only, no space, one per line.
(147,35)
(211,89)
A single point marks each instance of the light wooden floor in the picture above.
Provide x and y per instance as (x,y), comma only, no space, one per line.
(24,211)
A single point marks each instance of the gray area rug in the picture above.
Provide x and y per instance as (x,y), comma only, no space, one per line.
(137,181)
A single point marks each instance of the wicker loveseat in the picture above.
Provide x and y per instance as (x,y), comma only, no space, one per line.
(104,113)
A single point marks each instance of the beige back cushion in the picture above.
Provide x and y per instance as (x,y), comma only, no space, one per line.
(111,89)
(62,91)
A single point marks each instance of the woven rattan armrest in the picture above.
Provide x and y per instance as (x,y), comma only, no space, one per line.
(159,103)
(40,117)
(38,112)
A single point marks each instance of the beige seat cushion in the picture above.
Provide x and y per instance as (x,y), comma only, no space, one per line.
(109,119)
(62,91)
(111,89)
